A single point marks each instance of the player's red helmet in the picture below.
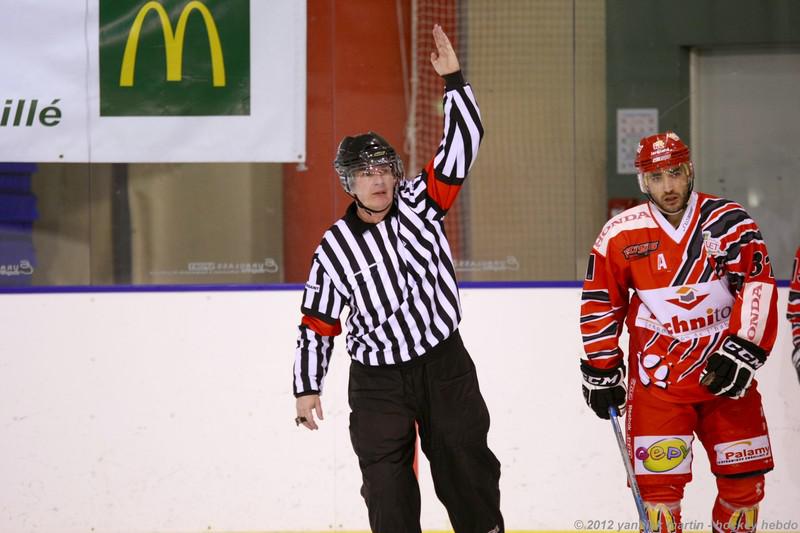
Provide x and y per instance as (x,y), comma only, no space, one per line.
(662,150)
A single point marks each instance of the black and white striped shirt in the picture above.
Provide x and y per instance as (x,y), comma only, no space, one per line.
(396,276)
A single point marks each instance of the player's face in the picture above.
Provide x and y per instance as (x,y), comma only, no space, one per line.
(669,187)
(374,186)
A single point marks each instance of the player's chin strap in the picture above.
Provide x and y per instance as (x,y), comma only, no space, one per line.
(669,213)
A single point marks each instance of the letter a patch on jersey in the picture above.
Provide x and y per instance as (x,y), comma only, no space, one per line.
(662,263)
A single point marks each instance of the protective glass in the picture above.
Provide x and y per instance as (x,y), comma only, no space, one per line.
(373,170)
(659,176)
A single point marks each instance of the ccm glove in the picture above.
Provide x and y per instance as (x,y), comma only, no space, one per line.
(729,371)
(603,388)
(796,360)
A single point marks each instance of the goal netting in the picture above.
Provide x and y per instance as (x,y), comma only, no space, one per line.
(535,199)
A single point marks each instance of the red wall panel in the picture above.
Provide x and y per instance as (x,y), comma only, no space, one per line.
(354,84)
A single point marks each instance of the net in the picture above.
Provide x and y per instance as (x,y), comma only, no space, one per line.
(425,111)
(535,199)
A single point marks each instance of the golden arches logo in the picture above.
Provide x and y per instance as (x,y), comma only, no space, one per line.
(173,43)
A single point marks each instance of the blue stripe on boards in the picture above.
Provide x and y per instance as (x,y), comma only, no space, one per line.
(268,287)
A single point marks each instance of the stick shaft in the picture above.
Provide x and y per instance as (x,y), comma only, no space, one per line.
(626,460)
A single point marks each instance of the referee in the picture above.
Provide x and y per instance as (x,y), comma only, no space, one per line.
(389,261)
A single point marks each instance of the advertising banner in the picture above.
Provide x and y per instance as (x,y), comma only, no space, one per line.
(153,81)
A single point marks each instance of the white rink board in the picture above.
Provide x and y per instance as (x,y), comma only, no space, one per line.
(172,412)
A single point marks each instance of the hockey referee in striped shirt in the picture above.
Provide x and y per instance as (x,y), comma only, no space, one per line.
(389,261)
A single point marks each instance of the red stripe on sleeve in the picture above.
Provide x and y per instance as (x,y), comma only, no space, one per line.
(321,327)
(440,192)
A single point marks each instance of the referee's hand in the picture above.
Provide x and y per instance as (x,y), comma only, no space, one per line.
(444,60)
(306,405)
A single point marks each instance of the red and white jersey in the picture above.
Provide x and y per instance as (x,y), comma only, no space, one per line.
(692,286)
(793,310)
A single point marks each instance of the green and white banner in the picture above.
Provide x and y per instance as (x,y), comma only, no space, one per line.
(153,81)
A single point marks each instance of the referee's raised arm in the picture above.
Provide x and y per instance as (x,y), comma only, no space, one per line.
(462,131)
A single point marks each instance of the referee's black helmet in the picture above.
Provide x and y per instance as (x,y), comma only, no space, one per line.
(361,152)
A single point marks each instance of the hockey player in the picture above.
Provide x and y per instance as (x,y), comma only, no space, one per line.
(388,260)
(793,311)
(702,319)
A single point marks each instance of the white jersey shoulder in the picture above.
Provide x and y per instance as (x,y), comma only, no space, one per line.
(634,218)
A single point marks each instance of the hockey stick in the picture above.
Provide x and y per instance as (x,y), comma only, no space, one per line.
(623,449)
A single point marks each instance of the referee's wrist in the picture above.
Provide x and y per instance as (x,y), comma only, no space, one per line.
(454,80)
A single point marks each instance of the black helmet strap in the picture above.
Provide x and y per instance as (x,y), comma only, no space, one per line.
(369,211)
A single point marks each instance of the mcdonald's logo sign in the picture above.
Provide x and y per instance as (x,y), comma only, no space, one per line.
(173,43)
(174,57)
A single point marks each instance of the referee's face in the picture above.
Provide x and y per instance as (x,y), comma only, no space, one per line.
(374,186)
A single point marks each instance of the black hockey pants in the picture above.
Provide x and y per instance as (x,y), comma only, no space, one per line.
(439,392)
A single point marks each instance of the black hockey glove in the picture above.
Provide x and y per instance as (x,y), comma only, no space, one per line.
(729,371)
(603,388)
(796,360)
